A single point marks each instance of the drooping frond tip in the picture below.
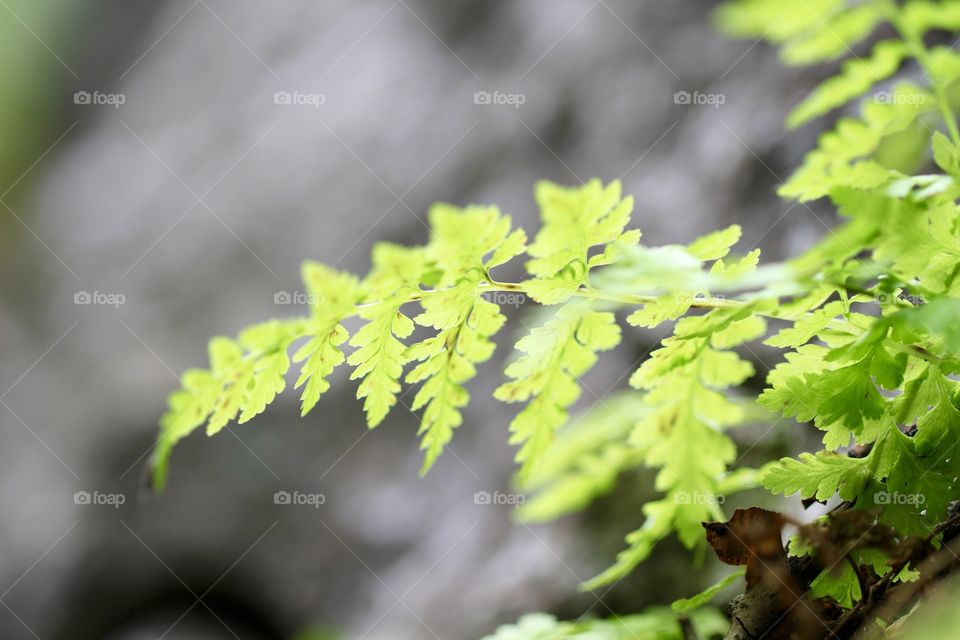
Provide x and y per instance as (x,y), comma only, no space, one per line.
(450,279)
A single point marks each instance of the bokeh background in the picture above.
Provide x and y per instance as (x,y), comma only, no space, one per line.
(176,160)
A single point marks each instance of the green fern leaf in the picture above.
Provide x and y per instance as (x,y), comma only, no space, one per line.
(923,244)
(835,37)
(667,307)
(380,357)
(941,424)
(840,584)
(586,459)
(461,239)
(716,245)
(380,352)
(244,376)
(574,220)
(555,355)
(818,476)
(685,605)
(253,370)
(842,157)
(687,413)
(855,79)
(774,20)
(268,343)
(464,245)
(187,409)
(920,16)
(806,327)
(333,296)
(447,361)
(660,519)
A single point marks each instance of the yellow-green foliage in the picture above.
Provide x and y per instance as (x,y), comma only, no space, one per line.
(867,320)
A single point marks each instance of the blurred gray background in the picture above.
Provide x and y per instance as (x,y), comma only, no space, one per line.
(183,158)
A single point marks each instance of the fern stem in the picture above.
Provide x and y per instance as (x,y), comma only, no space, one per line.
(708,302)
(625,298)
(588,293)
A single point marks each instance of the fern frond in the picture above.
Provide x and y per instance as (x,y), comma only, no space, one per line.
(465,244)
(685,605)
(774,20)
(333,296)
(466,323)
(870,317)
(842,158)
(684,381)
(818,476)
(921,16)
(574,220)
(838,385)
(660,518)
(835,36)
(586,459)
(555,356)
(380,356)
(923,243)
(380,353)
(855,79)
(244,376)
(667,307)
(716,245)
(849,157)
